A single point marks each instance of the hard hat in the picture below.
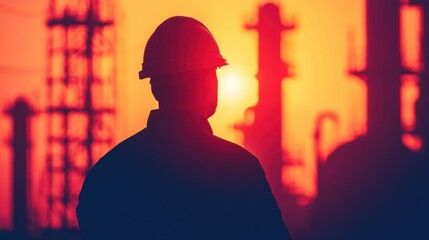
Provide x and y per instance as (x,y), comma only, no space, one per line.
(178,45)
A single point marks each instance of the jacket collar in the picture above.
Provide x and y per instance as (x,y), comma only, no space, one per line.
(177,119)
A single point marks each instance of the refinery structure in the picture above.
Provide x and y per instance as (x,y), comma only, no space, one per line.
(81,100)
(79,118)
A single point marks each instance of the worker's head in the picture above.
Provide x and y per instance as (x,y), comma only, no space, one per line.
(181,58)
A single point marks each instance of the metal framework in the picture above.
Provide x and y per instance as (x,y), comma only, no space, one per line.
(80,100)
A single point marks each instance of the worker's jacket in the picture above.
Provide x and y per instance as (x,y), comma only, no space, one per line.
(176,180)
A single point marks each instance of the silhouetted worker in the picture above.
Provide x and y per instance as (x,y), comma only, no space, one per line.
(175,179)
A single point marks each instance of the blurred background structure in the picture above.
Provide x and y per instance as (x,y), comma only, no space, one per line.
(264,136)
(371,187)
(345,159)
(21,113)
(81,86)
(79,117)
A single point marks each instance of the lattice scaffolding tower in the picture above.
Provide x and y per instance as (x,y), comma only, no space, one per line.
(80,100)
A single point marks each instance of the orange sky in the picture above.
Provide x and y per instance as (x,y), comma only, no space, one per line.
(318,48)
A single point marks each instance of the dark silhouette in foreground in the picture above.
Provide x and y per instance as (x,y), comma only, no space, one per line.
(175,179)
(374,187)
(370,190)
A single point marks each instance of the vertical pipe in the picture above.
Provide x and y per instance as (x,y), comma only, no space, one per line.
(422,105)
(383,69)
(49,117)
(21,113)
(264,136)
(89,110)
(65,127)
(270,75)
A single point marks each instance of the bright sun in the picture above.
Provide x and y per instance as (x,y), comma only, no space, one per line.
(231,86)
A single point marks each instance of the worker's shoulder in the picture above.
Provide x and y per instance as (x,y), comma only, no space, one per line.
(228,147)
(114,162)
(132,142)
(122,150)
(233,160)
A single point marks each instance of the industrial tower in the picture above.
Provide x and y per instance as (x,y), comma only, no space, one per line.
(383,71)
(264,136)
(369,187)
(21,113)
(80,100)
(422,105)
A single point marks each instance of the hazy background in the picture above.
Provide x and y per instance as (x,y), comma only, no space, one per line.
(330,35)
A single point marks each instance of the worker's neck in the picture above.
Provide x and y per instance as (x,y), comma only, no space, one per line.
(197,109)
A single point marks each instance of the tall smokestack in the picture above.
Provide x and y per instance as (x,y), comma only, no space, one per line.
(383,69)
(264,136)
(20,113)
